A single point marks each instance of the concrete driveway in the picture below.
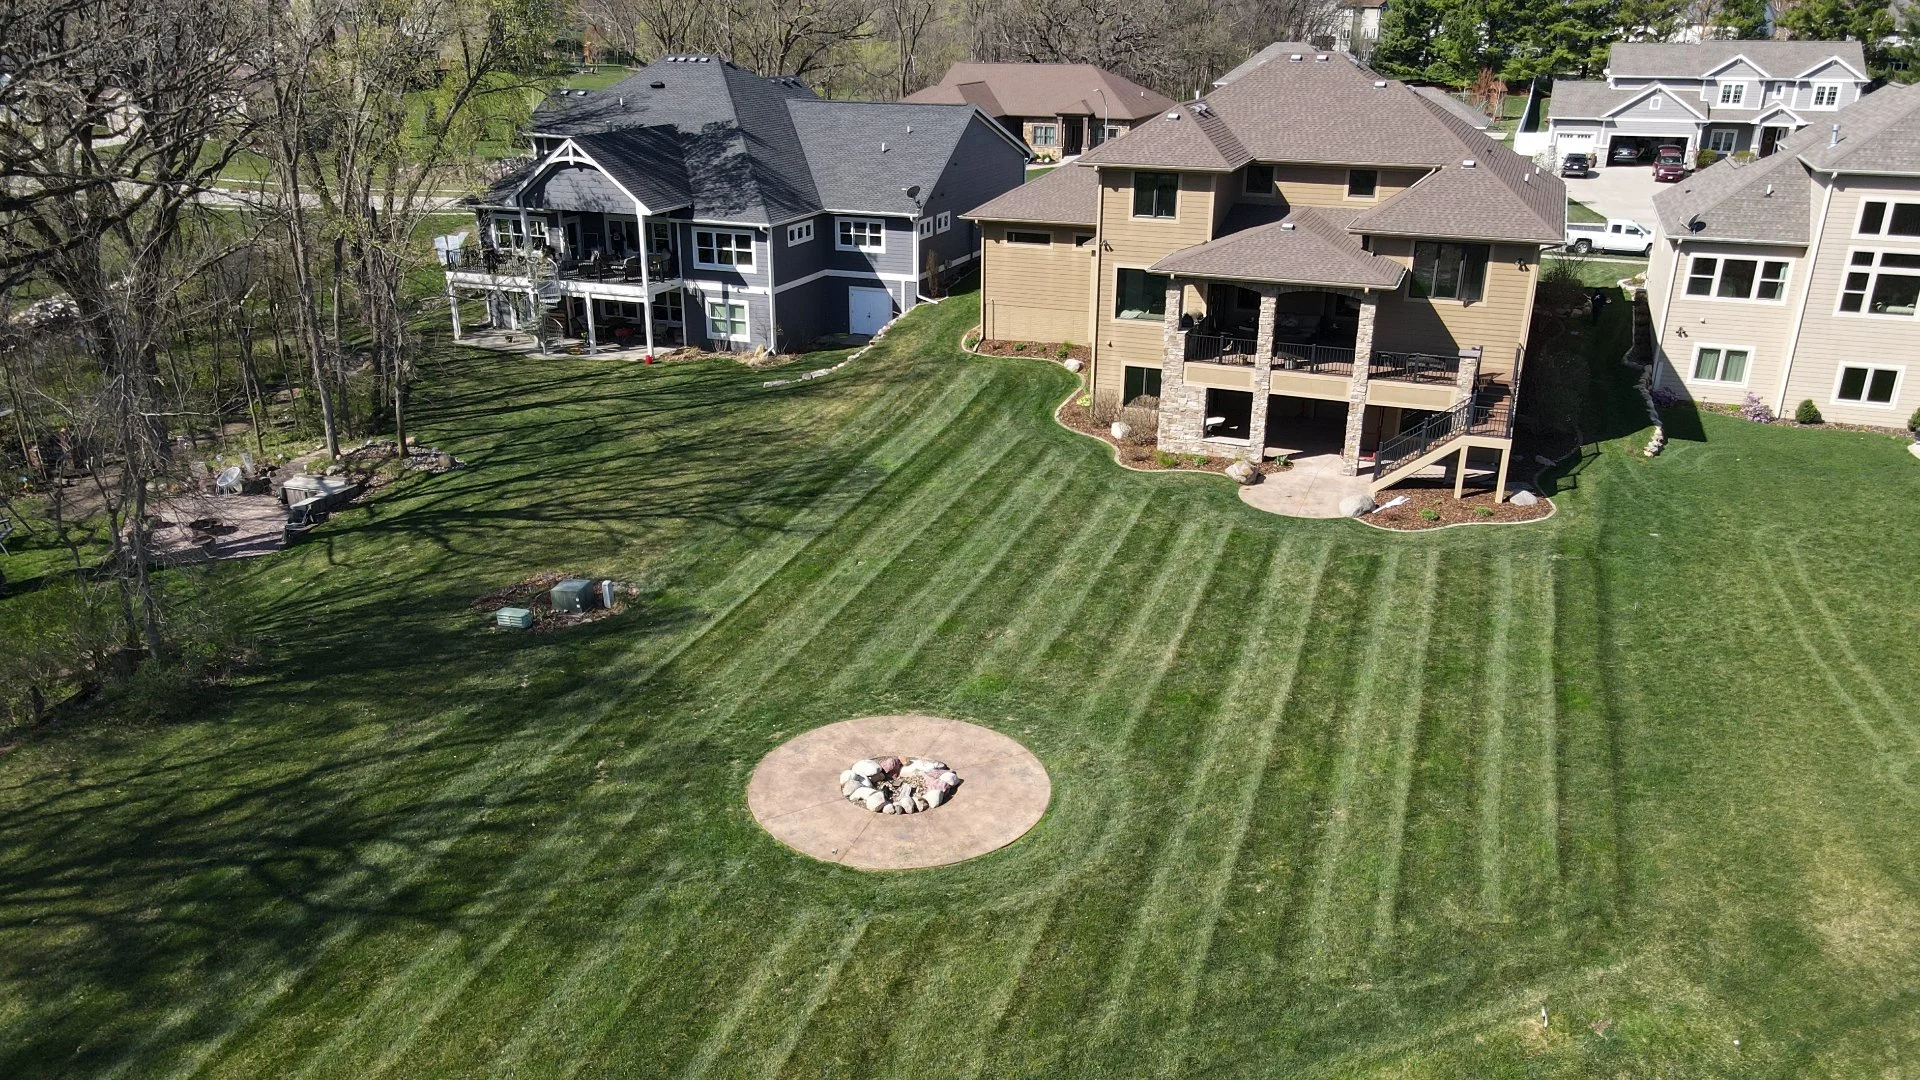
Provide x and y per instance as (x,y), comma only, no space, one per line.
(1619,191)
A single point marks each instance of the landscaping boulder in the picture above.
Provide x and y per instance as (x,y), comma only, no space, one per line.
(1073,366)
(1120,430)
(1356,505)
(1243,472)
(1524,498)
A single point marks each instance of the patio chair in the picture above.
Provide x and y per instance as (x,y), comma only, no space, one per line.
(630,269)
(6,530)
(228,482)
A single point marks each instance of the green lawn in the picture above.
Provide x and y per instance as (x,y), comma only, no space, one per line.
(1328,801)
(1580,212)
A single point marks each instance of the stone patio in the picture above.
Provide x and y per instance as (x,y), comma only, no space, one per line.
(795,794)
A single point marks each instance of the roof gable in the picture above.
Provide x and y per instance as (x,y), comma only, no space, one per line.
(1656,90)
(1042,90)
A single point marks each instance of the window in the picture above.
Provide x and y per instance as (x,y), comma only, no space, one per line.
(861,234)
(1156,194)
(1140,295)
(1712,363)
(1082,239)
(1733,93)
(506,232)
(923,228)
(659,237)
(1737,279)
(1046,134)
(1653,103)
(669,309)
(726,321)
(1889,219)
(716,249)
(1260,180)
(1881,283)
(1017,237)
(1867,385)
(1449,271)
(1826,95)
(1141,382)
(1722,140)
(943,221)
(799,234)
(1362,183)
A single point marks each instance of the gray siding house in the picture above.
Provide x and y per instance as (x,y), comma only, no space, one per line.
(700,204)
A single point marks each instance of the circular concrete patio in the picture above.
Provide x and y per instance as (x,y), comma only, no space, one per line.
(795,793)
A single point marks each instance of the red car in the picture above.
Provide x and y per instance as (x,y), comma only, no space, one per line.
(1670,164)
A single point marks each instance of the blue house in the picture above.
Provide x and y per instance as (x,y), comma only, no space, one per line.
(697,203)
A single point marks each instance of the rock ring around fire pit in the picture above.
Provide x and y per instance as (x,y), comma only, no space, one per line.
(797,793)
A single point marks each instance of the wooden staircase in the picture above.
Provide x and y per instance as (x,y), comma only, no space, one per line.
(1484,420)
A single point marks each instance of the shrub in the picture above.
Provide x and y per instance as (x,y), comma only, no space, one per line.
(1913,422)
(1705,158)
(1807,413)
(1199,461)
(1166,460)
(1019,346)
(1483,511)
(1430,514)
(1755,410)
(1065,350)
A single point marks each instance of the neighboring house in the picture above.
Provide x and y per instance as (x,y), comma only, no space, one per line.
(1308,259)
(699,203)
(1798,277)
(1060,110)
(1724,96)
(1357,26)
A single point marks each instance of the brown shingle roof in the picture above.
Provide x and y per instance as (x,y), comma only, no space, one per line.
(1879,134)
(1069,195)
(1043,90)
(1310,246)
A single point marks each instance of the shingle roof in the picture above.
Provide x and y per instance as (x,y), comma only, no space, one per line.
(1879,134)
(1042,90)
(1580,99)
(1693,60)
(1480,120)
(699,132)
(1264,56)
(1310,246)
(1069,195)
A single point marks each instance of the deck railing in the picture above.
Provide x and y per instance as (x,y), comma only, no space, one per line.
(1415,367)
(513,262)
(1318,359)
(1220,349)
(1486,414)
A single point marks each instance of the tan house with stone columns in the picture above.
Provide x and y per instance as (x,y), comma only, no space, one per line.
(1309,258)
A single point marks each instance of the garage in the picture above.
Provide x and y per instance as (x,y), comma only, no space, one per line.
(1640,149)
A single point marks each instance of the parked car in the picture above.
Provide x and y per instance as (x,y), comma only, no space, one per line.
(1628,155)
(1670,164)
(1578,165)
(1617,235)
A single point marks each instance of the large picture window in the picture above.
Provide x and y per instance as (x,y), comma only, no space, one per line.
(719,249)
(1860,385)
(861,234)
(1879,218)
(727,320)
(1156,194)
(1141,383)
(1140,295)
(1737,279)
(1449,271)
(1713,363)
(1881,283)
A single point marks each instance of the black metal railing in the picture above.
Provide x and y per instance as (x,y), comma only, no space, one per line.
(518,262)
(1220,349)
(1415,367)
(1318,359)
(1489,413)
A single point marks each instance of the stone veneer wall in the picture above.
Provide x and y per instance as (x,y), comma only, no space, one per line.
(1183,408)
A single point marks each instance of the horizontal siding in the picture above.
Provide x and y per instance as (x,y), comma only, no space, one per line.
(1034,293)
(1497,323)
(1141,242)
(1326,185)
(1688,323)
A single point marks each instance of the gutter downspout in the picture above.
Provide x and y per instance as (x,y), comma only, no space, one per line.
(1093,318)
(773,295)
(1806,293)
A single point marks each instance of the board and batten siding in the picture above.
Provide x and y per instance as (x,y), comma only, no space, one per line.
(1138,243)
(1689,323)
(1497,323)
(1032,292)
(1829,340)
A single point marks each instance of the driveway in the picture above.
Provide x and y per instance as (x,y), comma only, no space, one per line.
(1619,191)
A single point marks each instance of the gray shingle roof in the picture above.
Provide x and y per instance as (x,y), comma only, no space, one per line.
(1480,120)
(1579,99)
(1069,195)
(863,154)
(1041,90)
(1692,60)
(1310,246)
(1879,134)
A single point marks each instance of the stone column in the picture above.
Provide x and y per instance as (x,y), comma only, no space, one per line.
(1262,374)
(1469,374)
(1357,388)
(1182,408)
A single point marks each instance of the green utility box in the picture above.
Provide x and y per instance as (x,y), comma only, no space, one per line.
(514,618)
(573,596)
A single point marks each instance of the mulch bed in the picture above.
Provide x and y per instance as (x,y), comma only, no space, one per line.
(1139,450)
(1788,421)
(1447,510)
(1039,350)
(535,594)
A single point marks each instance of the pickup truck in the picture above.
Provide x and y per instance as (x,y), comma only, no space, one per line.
(1617,235)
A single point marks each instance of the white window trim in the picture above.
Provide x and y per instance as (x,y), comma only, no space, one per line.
(1720,93)
(1007,237)
(1759,272)
(1653,103)
(1053,135)
(1694,364)
(1348,192)
(1731,136)
(1899,382)
(753,255)
(800,233)
(1873,278)
(841,245)
(1886,220)
(943,221)
(922,228)
(746,320)
(1813,101)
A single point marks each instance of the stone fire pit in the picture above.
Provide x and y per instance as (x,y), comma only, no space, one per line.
(893,785)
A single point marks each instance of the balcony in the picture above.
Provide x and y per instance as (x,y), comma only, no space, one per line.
(1429,368)
(539,265)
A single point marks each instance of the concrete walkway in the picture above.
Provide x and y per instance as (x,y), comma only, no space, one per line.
(795,793)
(1313,488)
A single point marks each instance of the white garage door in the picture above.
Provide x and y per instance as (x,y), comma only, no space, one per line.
(868,310)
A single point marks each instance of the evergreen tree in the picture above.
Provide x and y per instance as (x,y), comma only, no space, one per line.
(1869,22)
(1405,47)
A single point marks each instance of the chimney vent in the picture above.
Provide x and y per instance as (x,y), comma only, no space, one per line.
(1295,58)
(1468,163)
(1287,226)
(1834,139)
(1379,84)
(1320,59)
